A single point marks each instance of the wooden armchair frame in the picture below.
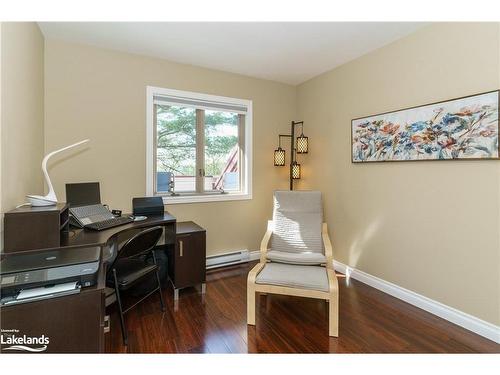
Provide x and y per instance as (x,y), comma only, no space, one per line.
(332,296)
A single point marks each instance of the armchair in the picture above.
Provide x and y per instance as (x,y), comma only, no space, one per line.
(300,260)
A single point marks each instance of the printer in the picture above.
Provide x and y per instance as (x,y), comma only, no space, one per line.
(65,270)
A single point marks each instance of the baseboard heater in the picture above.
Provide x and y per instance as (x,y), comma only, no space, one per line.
(227,259)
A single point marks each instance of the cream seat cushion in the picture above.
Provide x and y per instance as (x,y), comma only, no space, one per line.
(293,276)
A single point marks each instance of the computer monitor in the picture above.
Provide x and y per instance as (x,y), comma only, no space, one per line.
(83,194)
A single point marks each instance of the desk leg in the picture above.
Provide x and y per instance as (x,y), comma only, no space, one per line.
(203,288)
(176,294)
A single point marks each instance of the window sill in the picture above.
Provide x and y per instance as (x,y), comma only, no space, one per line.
(205,198)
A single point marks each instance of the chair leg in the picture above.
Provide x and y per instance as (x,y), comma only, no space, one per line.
(251,305)
(162,304)
(122,319)
(251,292)
(333,315)
(159,291)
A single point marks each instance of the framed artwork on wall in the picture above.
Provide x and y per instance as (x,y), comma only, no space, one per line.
(462,128)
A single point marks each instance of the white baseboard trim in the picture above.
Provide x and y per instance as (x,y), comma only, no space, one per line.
(231,258)
(469,322)
(254,255)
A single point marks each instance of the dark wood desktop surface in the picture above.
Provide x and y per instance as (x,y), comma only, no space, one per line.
(78,237)
(188,227)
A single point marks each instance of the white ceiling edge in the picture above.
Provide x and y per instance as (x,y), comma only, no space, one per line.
(285,52)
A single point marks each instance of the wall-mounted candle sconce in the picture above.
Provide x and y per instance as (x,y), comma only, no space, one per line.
(298,145)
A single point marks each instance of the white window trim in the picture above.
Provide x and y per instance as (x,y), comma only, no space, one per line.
(197,198)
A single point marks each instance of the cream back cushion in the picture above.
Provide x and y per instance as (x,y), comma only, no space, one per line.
(298,217)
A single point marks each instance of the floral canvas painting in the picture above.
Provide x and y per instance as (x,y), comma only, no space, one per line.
(465,128)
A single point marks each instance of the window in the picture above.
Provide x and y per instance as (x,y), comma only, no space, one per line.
(198,146)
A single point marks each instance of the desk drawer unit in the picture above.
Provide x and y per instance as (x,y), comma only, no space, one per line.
(70,324)
(187,258)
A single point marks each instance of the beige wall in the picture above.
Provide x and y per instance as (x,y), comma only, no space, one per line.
(22,140)
(431,227)
(101,94)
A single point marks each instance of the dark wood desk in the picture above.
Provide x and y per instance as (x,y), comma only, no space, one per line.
(77,323)
(84,237)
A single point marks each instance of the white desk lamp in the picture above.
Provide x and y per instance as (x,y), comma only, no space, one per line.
(50,199)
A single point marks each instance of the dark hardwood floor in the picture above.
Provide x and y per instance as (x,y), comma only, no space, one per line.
(370,322)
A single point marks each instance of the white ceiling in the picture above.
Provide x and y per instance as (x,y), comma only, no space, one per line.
(289,52)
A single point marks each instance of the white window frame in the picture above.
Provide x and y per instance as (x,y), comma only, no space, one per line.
(246,191)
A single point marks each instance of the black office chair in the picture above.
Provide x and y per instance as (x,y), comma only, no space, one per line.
(128,268)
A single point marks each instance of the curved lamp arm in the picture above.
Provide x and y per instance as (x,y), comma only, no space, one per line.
(50,198)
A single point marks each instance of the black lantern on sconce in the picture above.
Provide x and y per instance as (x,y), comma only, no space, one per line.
(279,156)
(298,145)
(295,171)
(295,168)
(302,145)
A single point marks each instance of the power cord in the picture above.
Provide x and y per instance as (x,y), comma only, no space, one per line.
(24,204)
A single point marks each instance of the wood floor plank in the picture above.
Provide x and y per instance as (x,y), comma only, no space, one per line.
(370,322)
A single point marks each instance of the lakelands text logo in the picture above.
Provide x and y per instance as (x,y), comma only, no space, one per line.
(18,342)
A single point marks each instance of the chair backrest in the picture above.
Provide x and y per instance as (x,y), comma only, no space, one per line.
(140,244)
(298,218)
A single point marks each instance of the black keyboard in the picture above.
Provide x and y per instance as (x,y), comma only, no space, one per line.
(110,223)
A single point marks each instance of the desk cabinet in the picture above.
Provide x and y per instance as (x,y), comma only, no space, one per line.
(187,258)
(34,228)
(73,323)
